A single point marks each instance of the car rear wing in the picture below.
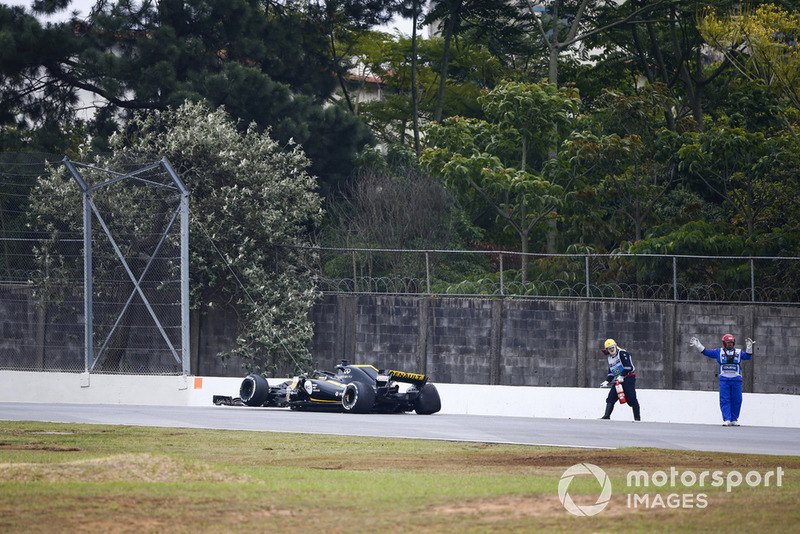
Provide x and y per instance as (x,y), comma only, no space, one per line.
(409,378)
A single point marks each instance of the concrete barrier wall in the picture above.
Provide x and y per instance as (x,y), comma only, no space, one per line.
(525,342)
(658,405)
(488,341)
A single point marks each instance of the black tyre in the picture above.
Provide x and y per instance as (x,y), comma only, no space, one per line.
(254,390)
(358,397)
(428,401)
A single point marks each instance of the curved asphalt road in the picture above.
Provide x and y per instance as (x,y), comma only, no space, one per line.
(514,430)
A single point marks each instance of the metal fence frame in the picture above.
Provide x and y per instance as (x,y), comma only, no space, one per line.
(182,214)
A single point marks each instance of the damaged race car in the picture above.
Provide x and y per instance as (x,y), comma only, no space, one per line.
(351,388)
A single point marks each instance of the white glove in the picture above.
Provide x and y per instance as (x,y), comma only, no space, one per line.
(620,379)
(694,342)
(604,384)
(748,345)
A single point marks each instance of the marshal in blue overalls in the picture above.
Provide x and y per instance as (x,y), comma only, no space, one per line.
(730,374)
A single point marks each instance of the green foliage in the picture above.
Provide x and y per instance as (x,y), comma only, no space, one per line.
(761,42)
(473,69)
(269,64)
(742,169)
(247,195)
(501,159)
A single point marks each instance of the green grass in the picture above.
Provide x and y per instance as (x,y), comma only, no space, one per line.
(72,478)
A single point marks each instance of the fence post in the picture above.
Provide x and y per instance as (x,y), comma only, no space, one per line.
(588,293)
(674,278)
(428,271)
(355,274)
(87,264)
(752,282)
(186,355)
(502,291)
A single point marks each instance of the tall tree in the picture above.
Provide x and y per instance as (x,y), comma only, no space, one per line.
(37,110)
(502,158)
(761,43)
(662,39)
(457,16)
(742,169)
(413,9)
(268,62)
(563,25)
(248,193)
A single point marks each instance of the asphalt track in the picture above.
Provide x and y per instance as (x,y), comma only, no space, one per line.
(590,434)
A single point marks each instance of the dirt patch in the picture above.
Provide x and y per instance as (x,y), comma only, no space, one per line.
(506,506)
(36,447)
(124,467)
(67,432)
(502,460)
(515,507)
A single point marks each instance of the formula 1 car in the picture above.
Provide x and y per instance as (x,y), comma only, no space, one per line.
(351,388)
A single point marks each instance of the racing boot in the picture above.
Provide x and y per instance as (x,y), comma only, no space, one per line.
(609,409)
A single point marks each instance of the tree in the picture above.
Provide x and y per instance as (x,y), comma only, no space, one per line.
(268,63)
(248,194)
(398,207)
(563,25)
(459,15)
(391,117)
(413,8)
(742,169)
(662,40)
(558,30)
(761,44)
(502,159)
(632,180)
(36,112)
(629,165)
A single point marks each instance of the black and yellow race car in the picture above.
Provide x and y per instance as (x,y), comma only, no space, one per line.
(350,388)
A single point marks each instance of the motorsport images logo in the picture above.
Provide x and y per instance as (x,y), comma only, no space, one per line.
(584,469)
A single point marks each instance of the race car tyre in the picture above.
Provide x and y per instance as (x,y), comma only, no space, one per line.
(254,390)
(358,397)
(428,401)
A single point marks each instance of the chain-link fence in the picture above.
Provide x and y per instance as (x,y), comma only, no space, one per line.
(125,228)
(558,276)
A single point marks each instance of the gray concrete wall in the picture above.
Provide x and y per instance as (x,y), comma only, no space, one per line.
(520,342)
(555,343)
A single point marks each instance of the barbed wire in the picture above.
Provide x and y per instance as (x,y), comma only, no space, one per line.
(684,278)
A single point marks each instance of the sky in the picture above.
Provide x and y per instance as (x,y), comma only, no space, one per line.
(83,7)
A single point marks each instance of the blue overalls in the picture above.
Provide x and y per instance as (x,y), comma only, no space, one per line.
(730,380)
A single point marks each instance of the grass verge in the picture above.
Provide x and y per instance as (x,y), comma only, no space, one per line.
(77,478)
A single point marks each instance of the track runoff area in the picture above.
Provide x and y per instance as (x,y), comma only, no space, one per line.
(676,488)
